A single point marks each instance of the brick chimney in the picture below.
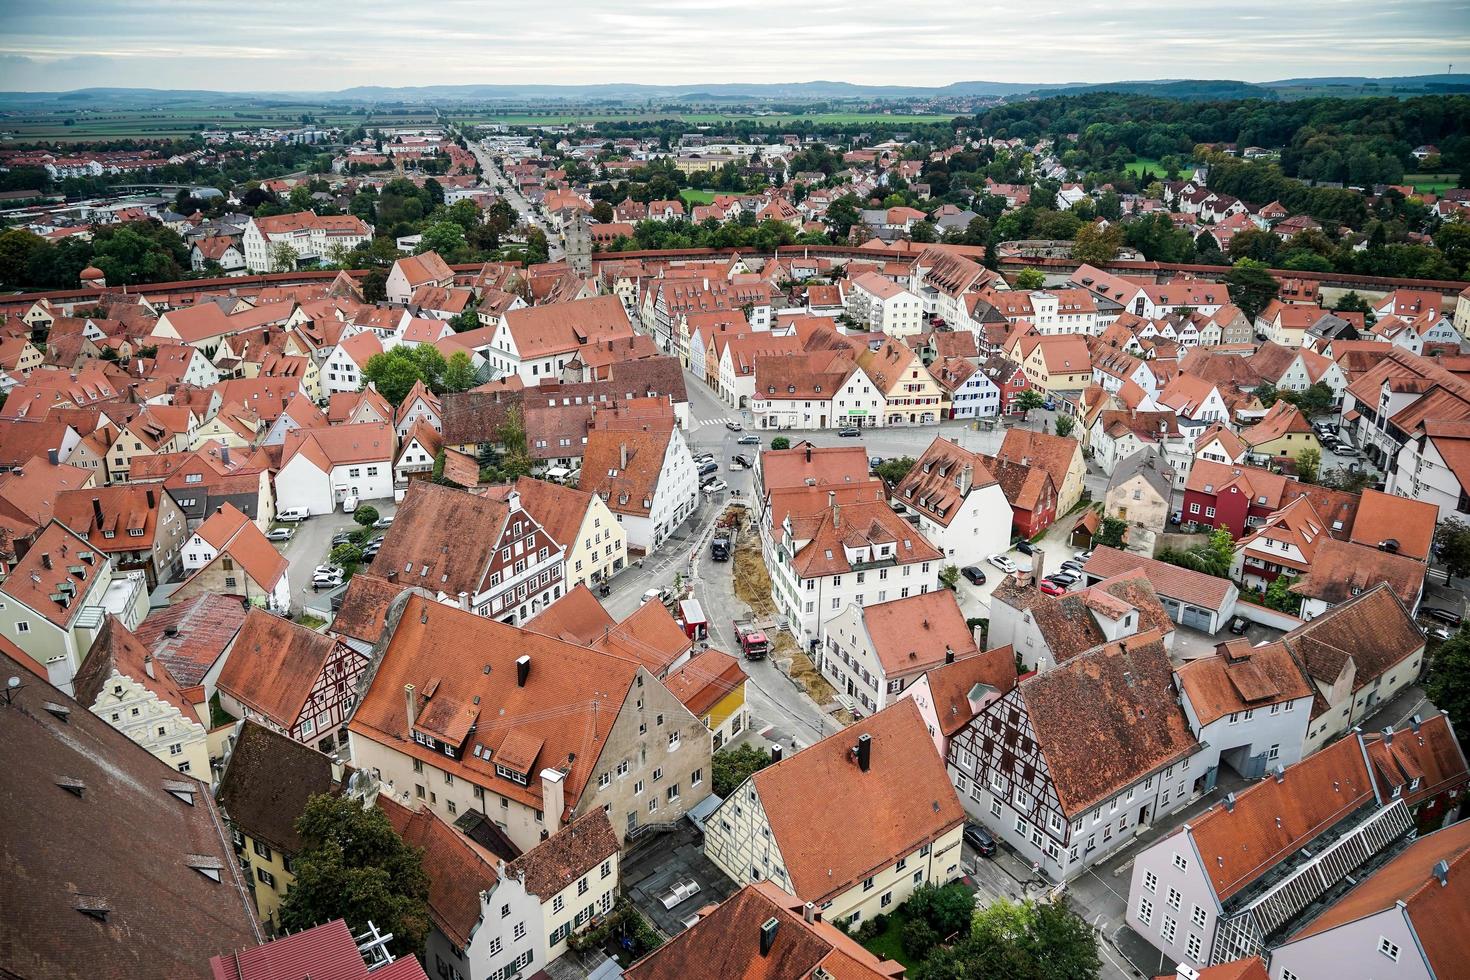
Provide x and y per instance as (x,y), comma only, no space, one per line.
(622,456)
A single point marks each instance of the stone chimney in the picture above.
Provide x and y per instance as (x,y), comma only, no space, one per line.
(410,704)
(622,456)
(148,666)
(967,476)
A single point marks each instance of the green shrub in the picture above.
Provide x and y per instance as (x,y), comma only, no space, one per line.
(918,939)
(366,515)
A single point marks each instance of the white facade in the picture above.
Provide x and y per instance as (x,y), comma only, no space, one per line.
(897,312)
(600,549)
(977,398)
(674,499)
(980,526)
(310,243)
(300,484)
(155,724)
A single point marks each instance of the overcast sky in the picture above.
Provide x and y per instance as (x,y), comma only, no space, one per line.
(321,45)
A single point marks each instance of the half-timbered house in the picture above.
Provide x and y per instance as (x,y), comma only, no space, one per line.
(486,555)
(1067,766)
(292,679)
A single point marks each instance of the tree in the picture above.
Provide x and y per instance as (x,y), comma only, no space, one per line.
(1213,558)
(1279,596)
(1110,533)
(1096,245)
(732,766)
(444,237)
(949,577)
(1448,683)
(780,442)
(17,247)
(1028,279)
(946,909)
(1029,399)
(1309,464)
(1019,941)
(281,257)
(395,372)
(1065,425)
(1342,478)
(924,231)
(346,555)
(353,865)
(602,212)
(894,470)
(1452,548)
(459,373)
(1251,287)
(1353,303)
(367,515)
(919,939)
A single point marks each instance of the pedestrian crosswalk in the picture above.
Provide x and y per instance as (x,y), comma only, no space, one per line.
(705,423)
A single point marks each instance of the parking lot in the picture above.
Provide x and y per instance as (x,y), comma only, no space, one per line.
(312,543)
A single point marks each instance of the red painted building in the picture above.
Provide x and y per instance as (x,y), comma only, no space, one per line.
(1243,497)
(1030,492)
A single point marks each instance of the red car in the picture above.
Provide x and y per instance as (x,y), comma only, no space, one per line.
(1048,587)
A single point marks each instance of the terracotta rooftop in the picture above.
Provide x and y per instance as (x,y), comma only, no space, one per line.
(326,952)
(940,480)
(1383,517)
(648,635)
(363,613)
(576,617)
(905,797)
(458,870)
(190,636)
(556,863)
(1241,677)
(442,539)
(705,680)
(274,664)
(1106,718)
(1439,912)
(1272,819)
(950,685)
(725,943)
(1340,570)
(571,697)
(1173,581)
(1417,762)
(1373,629)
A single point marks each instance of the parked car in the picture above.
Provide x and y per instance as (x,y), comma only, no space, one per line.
(280,534)
(849,431)
(662,595)
(740,462)
(715,486)
(1443,615)
(383,522)
(1048,587)
(974,573)
(1239,625)
(1072,565)
(1064,578)
(1002,562)
(749,439)
(323,580)
(1024,547)
(734,426)
(341,537)
(979,838)
(705,469)
(293,514)
(679,892)
(874,462)
(1083,556)
(703,458)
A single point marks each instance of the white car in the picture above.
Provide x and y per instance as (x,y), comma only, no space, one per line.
(1002,562)
(280,534)
(1082,556)
(715,486)
(293,514)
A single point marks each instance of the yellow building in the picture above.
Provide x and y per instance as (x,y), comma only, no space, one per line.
(1283,432)
(1057,363)
(266,783)
(802,822)
(712,687)
(911,395)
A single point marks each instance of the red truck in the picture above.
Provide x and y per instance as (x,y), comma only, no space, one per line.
(753,641)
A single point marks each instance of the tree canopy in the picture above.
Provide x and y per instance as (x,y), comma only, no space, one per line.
(354,866)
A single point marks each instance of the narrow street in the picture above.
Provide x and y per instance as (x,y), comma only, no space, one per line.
(496,178)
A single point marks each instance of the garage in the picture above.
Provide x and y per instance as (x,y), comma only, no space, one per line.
(1197,618)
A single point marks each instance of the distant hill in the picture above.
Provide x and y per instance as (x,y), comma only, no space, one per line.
(818,90)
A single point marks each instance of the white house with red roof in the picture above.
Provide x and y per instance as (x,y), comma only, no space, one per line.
(408,274)
(343,370)
(311,236)
(320,467)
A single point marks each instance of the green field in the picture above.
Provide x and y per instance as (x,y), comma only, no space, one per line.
(1143,163)
(1432,183)
(167,122)
(696,197)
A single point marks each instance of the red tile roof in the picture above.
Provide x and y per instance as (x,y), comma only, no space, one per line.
(1271,819)
(324,952)
(905,797)
(1241,677)
(458,871)
(190,636)
(274,664)
(1386,517)
(1439,912)
(1173,581)
(705,680)
(914,634)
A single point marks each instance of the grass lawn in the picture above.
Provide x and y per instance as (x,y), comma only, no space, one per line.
(1432,183)
(697,197)
(1142,163)
(887,945)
